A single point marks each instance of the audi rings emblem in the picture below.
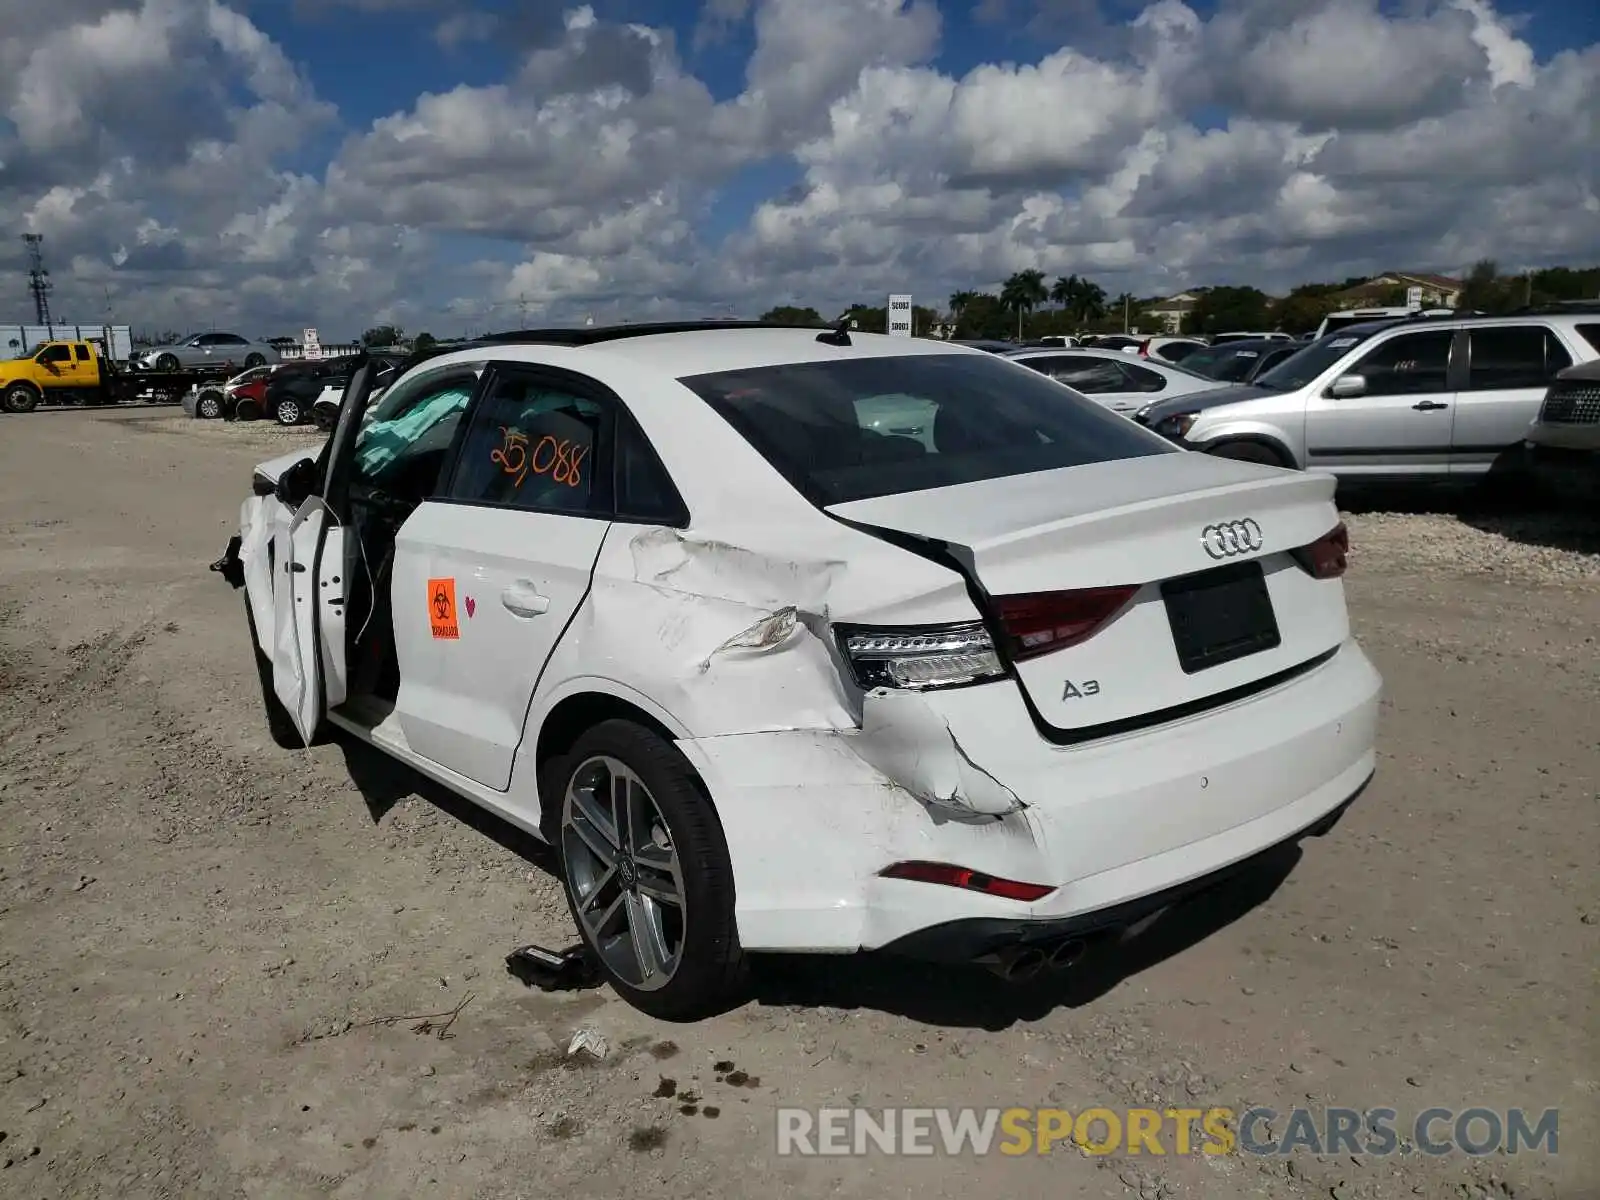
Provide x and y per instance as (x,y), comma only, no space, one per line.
(1229,539)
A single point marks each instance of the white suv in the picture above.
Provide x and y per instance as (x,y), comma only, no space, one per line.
(800,641)
(1423,399)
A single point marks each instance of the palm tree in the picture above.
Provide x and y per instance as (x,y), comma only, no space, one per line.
(1065,290)
(958,305)
(1091,300)
(1024,292)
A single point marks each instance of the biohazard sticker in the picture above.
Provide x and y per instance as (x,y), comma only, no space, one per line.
(442,608)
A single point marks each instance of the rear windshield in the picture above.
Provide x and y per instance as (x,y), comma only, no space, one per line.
(842,431)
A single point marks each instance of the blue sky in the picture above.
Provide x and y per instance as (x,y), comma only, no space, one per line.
(279,161)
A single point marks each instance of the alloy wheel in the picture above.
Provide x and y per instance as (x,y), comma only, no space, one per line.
(624,873)
(288,412)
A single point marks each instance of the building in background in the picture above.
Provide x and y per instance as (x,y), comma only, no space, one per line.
(1169,313)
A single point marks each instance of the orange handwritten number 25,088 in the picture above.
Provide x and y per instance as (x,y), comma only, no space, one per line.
(558,459)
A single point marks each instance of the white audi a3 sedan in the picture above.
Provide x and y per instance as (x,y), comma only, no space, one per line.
(813,641)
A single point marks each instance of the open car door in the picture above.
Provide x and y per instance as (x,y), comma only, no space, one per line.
(310,575)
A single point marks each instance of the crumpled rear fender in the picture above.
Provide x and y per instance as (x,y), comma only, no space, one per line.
(728,640)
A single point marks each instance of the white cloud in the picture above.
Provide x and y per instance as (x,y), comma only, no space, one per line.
(160,146)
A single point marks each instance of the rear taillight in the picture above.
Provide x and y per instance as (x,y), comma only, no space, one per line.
(1326,557)
(920,658)
(961,877)
(1040,622)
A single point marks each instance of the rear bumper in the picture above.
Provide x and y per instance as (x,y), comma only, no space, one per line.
(973,938)
(811,824)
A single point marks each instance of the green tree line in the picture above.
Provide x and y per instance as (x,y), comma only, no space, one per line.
(1028,305)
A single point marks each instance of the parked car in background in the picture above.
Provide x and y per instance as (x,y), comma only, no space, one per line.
(1170,349)
(207,350)
(1437,400)
(294,388)
(659,597)
(1219,339)
(1114,378)
(989,344)
(1240,362)
(203,402)
(247,388)
(325,409)
(1562,445)
(1114,341)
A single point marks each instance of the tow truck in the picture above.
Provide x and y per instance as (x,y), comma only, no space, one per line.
(79,372)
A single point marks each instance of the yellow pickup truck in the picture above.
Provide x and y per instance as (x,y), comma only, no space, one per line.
(77,373)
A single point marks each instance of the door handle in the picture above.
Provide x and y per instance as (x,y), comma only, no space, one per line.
(1430,405)
(522,599)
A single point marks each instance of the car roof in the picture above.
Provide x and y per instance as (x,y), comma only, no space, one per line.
(1078,351)
(694,349)
(1251,344)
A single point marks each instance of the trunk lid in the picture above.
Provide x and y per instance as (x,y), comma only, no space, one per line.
(1141,523)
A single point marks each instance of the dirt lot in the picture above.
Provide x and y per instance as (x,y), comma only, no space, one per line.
(199,933)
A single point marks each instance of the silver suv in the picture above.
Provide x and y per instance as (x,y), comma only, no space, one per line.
(1425,398)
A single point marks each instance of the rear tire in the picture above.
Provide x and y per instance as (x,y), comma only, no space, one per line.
(1253,452)
(208,406)
(279,723)
(252,361)
(703,969)
(288,412)
(20,398)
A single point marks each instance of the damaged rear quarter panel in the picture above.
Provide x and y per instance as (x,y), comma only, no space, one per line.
(730,632)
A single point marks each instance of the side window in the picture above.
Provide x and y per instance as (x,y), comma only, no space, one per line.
(537,446)
(1088,375)
(55,354)
(81,352)
(1408,365)
(645,492)
(231,339)
(405,437)
(1143,379)
(1514,356)
(1590,334)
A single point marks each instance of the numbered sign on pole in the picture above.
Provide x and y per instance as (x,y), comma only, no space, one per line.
(899,316)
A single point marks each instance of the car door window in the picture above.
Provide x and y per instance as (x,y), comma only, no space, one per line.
(81,353)
(1408,365)
(55,354)
(537,446)
(1514,356)
(1142,379)
(1088,375)
(405,438)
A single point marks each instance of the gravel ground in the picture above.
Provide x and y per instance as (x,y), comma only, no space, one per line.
(203,937)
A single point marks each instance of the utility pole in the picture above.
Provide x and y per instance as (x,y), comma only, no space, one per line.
(39,280)
(1124,313)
